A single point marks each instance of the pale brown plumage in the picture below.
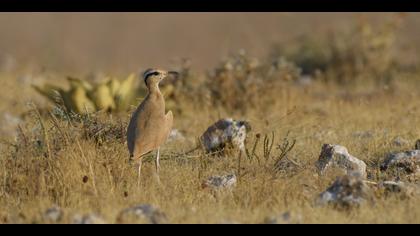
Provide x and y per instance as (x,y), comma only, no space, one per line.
(149,126)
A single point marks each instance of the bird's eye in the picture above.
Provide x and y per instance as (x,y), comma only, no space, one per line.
(152,74)
(147,74)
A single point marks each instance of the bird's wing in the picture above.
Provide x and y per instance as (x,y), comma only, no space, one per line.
(169,122)
(131,134)
(141,133)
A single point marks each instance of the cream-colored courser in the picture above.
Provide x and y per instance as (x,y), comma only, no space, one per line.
(149,126)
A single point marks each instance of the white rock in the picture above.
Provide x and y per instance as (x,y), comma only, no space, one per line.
(53,214)
(88,219)
(225,132)
(408,160)
(392,186)
(347,191)
(144,213)
(407,189)
(284,218)
(338,156)
(220,182)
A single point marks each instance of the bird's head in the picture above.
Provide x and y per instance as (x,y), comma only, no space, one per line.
(154,76)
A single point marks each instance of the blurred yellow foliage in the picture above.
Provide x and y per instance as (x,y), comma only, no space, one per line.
(83,97)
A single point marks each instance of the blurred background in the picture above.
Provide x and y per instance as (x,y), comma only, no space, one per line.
(121,42)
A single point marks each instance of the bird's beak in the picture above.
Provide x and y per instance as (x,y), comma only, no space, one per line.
(173,73)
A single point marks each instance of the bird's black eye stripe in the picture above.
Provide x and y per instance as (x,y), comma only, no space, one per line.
(151,73)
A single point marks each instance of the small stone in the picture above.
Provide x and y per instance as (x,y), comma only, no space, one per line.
(408,161)
(284,218)
(144,213)
(347,191)
(220,182)
(53,214)
(338,156)
(88,219)
(406,189)
(391,186)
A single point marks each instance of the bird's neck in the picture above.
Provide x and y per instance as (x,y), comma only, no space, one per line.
(155,95)
(154,88)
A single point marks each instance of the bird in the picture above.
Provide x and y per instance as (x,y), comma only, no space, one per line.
(149,126)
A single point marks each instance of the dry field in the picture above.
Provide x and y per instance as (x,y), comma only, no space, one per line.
(354,82)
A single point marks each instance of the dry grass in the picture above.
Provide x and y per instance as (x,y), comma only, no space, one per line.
(36,177)
(82,165)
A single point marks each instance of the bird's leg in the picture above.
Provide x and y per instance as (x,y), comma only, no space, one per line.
(139,173)
(157,164)
(157,160)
